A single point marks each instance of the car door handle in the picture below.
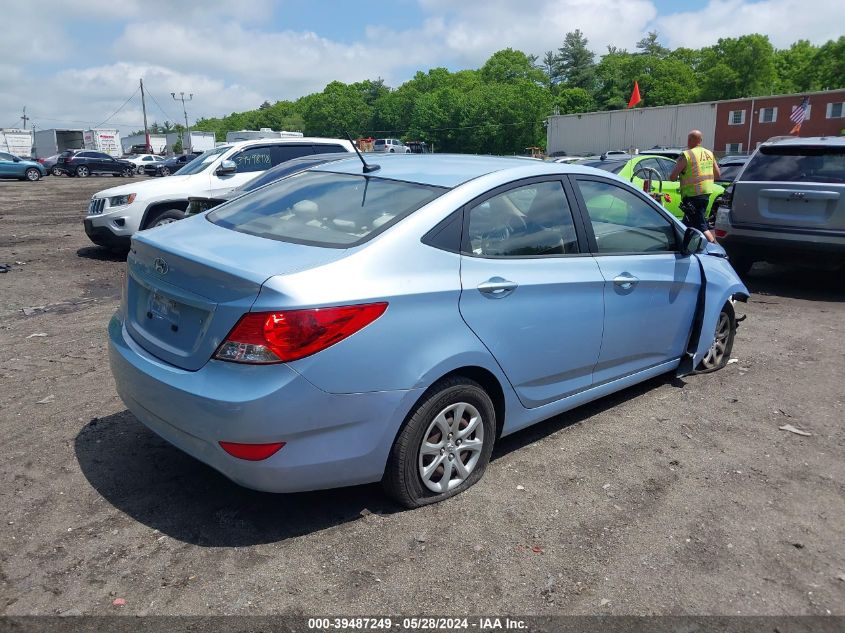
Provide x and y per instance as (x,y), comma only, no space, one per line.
(625,281)
(497,287)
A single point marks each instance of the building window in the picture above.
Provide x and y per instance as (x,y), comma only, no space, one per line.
(836,110)
(736,117)
(733,148)
(768,115)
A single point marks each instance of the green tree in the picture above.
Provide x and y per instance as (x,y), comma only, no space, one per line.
(508,65)
(572,100)
(264,106)
(339,109)
(830,64)
(739,67)
(577,62)
(650,46)
(795,67)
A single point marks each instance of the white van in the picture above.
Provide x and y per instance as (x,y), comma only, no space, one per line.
(115,214)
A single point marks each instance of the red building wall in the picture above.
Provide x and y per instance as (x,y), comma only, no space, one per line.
(752,131)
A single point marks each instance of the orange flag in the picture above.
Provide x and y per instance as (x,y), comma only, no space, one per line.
(635,95)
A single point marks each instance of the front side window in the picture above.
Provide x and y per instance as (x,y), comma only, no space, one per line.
(254,159)
(324,208)
(527,221)
(623,222)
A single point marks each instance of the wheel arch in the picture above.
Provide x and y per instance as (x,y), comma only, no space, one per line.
(157,207)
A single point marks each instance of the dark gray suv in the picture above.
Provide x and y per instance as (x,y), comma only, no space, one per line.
(787,205)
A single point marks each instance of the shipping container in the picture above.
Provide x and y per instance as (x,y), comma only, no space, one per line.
(196,141)
(17,142)
(102,140)
(160,142)
(51,142)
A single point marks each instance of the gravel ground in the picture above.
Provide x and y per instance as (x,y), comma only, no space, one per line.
(673,497)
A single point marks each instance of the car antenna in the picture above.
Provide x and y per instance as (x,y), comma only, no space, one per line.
(367,167)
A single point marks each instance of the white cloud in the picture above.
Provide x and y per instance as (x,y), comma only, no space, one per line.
(80,61)
(784,21)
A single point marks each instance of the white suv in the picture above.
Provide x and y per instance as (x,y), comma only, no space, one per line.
(115,214)
(391,145)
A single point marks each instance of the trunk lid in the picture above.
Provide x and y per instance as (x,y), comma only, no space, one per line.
(792,186)
(189,282)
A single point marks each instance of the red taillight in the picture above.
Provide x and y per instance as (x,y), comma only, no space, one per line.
(274,337)
(251,452)
(721,233)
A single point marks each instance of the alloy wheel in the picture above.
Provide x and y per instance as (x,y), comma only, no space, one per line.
(451,447)
(716,353)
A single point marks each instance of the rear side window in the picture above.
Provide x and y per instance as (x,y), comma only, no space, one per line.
(283,153)
(328,149)
(324,208)
(796,164)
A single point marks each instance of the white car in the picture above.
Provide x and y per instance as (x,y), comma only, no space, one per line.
(391,146)
(139,160)
(115,214)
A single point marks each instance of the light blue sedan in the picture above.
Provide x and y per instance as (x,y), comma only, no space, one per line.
(13,167)
(355,324)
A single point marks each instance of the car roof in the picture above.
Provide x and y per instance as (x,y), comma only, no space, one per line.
(836,141)
(285,139)
(446,170)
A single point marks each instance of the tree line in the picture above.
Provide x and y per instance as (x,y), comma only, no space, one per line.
(500,108)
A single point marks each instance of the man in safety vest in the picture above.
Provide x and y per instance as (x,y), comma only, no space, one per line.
(698,170)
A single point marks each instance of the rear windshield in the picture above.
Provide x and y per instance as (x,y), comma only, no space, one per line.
(729,172)
(613,166)
(797,164)
(324,208)
(380,141)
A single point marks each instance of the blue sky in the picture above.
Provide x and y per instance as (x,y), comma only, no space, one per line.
(73,64)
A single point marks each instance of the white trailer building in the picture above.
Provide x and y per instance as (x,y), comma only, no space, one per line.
(638,128)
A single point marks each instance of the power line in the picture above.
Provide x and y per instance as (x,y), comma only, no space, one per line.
(119,109)
(155,101)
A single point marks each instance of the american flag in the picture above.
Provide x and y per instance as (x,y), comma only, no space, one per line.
(798,114)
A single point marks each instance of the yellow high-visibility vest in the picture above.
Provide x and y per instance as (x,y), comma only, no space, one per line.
(697,176)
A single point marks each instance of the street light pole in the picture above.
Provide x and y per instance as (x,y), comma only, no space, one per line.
(185,112)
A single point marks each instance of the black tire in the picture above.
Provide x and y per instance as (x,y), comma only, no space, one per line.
(403,480)
(32,174)
(720,352)
(56,171)
(128,172)
(164,171)
(82,171)
(165,217)
(139,170)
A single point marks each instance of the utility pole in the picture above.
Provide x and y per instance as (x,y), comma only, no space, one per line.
(146,129)
(24,118)
(185,112)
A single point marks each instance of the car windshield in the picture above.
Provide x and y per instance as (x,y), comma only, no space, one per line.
(797,164)
(324,208)
(613,166)
(729,172)
(202,161)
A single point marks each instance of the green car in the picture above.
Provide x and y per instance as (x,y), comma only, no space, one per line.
(637,169)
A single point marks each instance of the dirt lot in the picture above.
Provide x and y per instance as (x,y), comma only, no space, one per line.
(677,496)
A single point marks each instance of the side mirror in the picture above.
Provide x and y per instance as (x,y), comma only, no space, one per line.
(16,159)
(227,167)
(694,241)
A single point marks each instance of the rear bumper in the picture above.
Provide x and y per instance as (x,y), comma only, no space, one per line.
(331,440)
(775,243)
